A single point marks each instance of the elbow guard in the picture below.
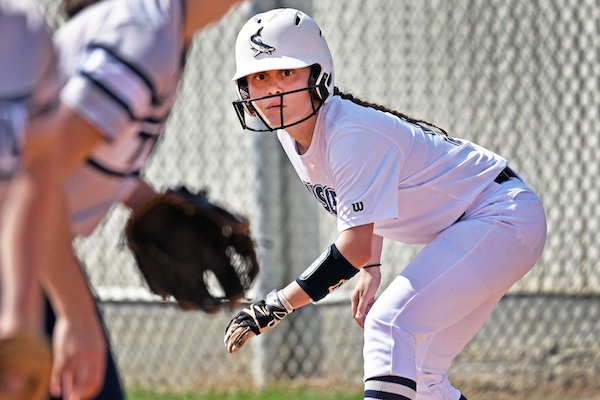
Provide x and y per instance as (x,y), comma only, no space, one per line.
(327,273)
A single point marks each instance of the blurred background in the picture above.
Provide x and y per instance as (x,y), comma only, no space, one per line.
(521,78)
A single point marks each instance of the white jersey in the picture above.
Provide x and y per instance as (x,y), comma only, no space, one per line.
(121,63)
(366,166)
(28,81)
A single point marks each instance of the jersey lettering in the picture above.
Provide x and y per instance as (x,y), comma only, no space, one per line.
(325,196)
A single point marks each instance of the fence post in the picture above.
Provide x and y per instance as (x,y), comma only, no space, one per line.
(288,237)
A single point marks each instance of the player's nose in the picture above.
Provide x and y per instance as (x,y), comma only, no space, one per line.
(274,88)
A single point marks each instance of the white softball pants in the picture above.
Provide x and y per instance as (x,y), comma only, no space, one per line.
(427,315)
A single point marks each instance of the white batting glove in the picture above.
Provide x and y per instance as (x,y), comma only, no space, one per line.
(255,319)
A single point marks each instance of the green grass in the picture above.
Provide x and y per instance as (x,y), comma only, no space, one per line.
(277,393)
(295,393)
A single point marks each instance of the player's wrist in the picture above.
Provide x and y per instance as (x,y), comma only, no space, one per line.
(284,301)
(377,265)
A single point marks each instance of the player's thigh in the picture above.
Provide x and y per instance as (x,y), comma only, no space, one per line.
(435,353)
(465,266)
(439,288)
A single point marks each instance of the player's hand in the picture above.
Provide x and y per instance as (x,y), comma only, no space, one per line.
(79,359)
(364,292)
(255,319)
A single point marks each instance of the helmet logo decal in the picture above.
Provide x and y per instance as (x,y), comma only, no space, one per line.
(258,46)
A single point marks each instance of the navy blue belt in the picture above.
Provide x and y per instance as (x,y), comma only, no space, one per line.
(505,175)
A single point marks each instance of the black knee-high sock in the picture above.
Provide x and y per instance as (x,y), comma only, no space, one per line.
(390,388)
(462,397)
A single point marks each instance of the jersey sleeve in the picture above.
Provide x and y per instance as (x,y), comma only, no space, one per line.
(106,91)
(366,169)
(28,78)
(28,60)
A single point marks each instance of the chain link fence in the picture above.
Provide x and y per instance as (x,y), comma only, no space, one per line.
(519,77)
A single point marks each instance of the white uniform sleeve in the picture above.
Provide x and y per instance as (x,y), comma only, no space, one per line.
(366,175)
(28,77)
(107,91)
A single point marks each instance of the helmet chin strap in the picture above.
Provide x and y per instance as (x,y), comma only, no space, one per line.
(245,107)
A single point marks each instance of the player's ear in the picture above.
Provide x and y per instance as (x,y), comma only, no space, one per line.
(244,94)
(320,92)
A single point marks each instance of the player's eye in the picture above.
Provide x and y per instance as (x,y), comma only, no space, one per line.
(287,72)
(261,76)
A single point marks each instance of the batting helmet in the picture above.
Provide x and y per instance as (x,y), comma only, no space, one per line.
(283,38)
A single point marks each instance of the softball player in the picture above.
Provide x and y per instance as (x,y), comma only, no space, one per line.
(121,62)
(383,174)
(27,100)
(27,105)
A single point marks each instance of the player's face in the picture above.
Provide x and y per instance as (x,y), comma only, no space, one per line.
(282,108)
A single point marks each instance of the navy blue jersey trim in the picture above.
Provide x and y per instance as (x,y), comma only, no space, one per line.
(15,98)
(94,164)
(132,67)
(110,94)
(118,100)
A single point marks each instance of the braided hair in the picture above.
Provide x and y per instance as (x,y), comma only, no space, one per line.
(73,7)
(421,123)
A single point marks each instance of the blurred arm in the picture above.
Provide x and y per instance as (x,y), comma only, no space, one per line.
(202,13)
(79,342)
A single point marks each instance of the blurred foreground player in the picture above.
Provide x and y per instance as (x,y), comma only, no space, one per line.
(29,195)
(120,64)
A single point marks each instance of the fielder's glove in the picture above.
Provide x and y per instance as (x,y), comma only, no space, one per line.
(189,248)
(255,319)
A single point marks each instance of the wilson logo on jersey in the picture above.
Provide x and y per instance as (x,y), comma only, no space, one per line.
(258,46)
(358,206)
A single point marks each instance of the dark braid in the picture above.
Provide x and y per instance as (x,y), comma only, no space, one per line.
(423,124)
(73,7)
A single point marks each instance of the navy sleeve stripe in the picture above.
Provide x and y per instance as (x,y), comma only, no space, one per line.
(110,94)
(94,164)
(131,66)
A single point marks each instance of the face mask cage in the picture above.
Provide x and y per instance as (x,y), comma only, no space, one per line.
(245,106)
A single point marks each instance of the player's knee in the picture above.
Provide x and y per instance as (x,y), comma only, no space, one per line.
(375,322)
(380,318)
(388,334)
(388,348)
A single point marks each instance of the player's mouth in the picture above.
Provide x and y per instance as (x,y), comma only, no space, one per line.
(275,105)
